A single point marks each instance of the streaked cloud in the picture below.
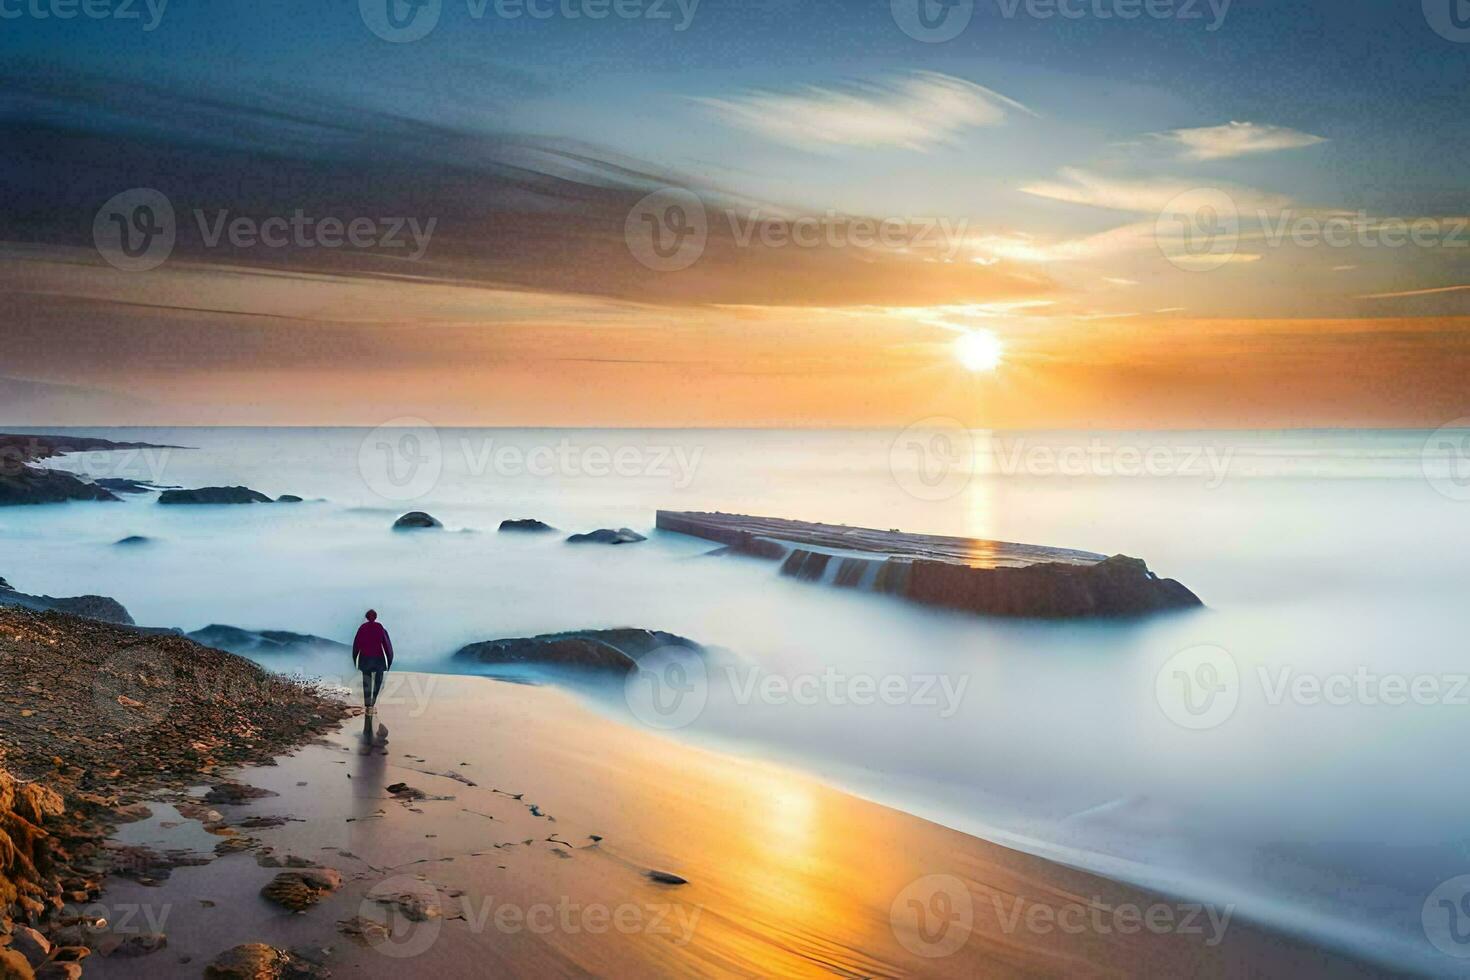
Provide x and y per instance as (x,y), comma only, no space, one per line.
(1236,139)
(1416,292)
(1212,260)
(1142,196)
(915,112)
(501,205)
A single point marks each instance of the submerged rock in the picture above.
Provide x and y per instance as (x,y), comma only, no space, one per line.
(138,944)
(614,649)
(235,793)
(214,495)
(605,535)
(527,524)
(418,906)
(414,520)
(232,639)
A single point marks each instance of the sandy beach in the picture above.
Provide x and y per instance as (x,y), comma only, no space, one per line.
(542,866)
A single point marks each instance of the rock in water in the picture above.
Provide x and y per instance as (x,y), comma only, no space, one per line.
(132,540)
(667,878)
(414,906)
(288,498)
(235,793)
(528,524)
(299,890)
(21,484)
(414,520)
(605,535)
(257,961)
(214,495)
(139,944)
(232,639)
(615,649)
(995,578)
(119,484)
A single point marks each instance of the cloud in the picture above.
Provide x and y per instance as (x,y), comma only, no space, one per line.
(1212,260)
(915,112)
(1236,139)
(1145,196)
(511,212)
(1416,292)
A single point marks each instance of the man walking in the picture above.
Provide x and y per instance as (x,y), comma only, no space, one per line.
(372,653)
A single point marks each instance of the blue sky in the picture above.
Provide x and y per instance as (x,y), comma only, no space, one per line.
(1059,146)
(1370,76)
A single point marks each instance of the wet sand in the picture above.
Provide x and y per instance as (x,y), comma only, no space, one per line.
(785,876)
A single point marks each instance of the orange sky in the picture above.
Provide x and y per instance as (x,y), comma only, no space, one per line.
(199,344)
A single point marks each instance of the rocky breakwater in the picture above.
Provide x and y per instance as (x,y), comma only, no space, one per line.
(22,482)
(997,578)
(95,718)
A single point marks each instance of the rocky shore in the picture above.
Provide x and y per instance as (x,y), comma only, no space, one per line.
(94,718)
(21,482)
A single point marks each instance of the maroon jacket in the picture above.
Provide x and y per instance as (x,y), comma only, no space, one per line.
(371,648)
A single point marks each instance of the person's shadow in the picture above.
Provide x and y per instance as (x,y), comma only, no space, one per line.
(372,766)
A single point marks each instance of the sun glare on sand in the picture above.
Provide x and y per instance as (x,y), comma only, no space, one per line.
(978,350)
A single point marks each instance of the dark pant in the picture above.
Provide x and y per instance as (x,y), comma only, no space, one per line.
(372,683)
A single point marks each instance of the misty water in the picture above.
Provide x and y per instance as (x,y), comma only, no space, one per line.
(1330,801)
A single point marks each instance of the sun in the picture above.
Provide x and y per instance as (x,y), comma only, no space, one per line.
(979,350)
